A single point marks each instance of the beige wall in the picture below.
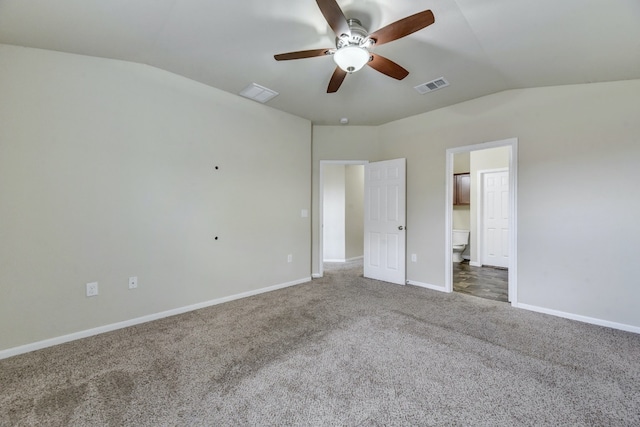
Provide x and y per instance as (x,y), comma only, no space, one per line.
(577,176)
(462,162)
(354,211)
(333,212)
(107,171)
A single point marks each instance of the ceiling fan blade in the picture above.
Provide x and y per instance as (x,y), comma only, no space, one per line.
(403,27)
(334,16)
(336,80)
(301,54)
(387,66)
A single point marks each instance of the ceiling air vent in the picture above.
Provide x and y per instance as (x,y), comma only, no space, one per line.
(258,93)
(436,84)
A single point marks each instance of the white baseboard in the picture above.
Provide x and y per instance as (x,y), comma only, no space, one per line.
(580,318)
(426,285)
(475,264)
(316,276)
(355,258)
(138,320)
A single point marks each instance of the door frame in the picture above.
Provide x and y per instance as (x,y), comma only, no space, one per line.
(321,207)
(513,198)
(480,243)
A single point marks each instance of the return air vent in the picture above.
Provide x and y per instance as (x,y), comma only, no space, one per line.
(258,93)
(436,84)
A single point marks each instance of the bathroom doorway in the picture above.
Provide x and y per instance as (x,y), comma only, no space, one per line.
(488,259)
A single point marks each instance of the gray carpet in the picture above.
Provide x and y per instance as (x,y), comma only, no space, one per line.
(342,350)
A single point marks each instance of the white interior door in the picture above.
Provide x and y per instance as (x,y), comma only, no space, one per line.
(495,206)
(384,221)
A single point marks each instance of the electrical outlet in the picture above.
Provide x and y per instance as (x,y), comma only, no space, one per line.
(414,258)
(289,258)
(92,289)
(133,282)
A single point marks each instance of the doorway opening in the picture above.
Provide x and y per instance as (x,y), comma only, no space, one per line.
(488,215)
(341,213)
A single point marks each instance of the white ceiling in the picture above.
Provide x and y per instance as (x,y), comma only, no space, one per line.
(480,47)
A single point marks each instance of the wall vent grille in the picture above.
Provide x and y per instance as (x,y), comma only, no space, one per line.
(436,84)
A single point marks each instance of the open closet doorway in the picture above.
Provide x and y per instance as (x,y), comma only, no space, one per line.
(341,213)
(481,220)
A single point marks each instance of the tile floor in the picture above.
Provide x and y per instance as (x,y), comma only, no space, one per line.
(484,282)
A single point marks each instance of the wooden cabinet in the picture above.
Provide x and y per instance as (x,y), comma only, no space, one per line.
(461,189)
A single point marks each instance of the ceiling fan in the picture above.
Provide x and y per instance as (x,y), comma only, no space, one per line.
(354,44)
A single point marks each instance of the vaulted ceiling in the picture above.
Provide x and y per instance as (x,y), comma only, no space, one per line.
(479,47)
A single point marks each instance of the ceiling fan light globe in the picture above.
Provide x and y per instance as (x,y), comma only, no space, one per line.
(351,58)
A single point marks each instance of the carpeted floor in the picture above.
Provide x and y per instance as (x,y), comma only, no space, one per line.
(342,350)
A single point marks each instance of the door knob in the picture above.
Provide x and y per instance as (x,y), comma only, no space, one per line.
(400,228)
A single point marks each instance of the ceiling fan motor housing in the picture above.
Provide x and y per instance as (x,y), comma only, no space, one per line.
(358,37)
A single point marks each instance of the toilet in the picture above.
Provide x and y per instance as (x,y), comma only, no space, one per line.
(460,242)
